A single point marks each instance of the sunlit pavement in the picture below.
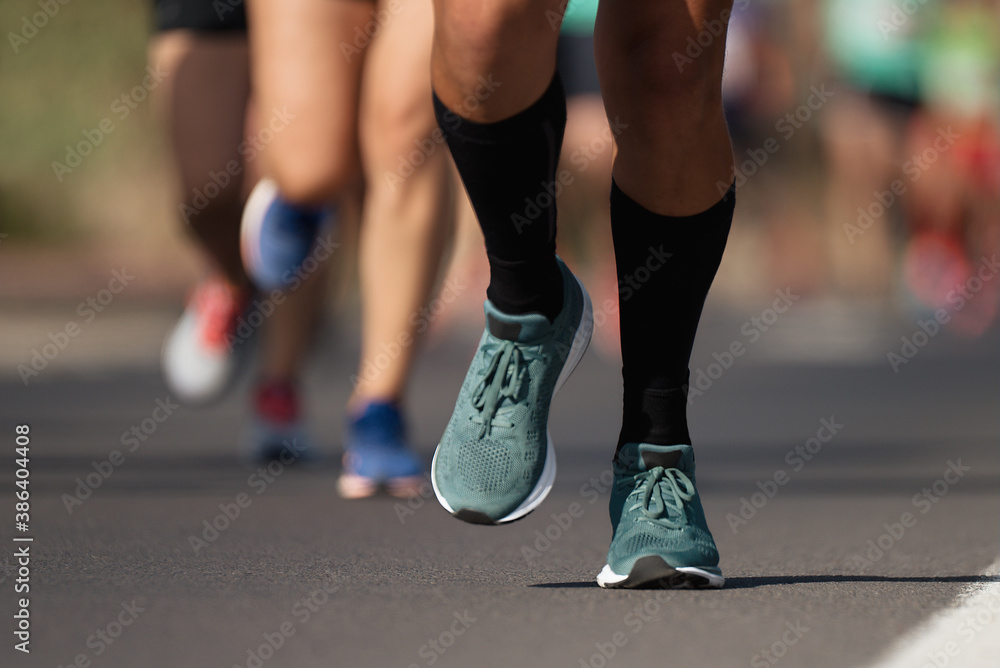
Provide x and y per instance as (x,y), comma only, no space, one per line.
(850,501)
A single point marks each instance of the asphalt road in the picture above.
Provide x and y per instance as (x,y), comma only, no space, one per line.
(833,547)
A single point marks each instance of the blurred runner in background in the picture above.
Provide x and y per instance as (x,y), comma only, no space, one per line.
(308,57)
(216,143)
(953,167)
(874,60)
(325,75)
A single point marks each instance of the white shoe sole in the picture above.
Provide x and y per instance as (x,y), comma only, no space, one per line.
(199,381)
(261,197)
(664,577)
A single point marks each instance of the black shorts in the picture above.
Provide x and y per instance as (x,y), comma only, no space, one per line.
(200,15)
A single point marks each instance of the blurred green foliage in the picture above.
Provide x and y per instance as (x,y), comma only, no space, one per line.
(60,72)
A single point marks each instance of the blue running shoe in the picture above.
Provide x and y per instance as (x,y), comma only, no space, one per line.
(276,237)
(660,537)
(495,462)
(377,455)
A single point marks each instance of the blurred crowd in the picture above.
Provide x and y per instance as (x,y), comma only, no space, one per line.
(867,138)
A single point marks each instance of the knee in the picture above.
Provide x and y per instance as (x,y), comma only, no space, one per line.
(472,32)
(662,73)
(402,129)
(654,66)
(314,182)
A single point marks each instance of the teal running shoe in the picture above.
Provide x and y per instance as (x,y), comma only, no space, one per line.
(660,538)
(495,462)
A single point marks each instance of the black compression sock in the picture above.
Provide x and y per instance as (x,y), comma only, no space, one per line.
(665,265)
(508,169)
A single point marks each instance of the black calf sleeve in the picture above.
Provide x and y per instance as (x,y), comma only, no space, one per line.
(508,169)
(665,267)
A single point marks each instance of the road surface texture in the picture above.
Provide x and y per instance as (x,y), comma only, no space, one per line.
(852,503)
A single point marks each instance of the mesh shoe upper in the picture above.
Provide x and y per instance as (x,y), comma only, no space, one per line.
(495,447)
(656,510)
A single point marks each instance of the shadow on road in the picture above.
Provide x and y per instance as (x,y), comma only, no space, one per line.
(770,580)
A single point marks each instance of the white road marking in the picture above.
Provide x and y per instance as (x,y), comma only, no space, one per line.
(966,635)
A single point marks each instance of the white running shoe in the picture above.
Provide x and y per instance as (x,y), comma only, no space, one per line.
(203,354)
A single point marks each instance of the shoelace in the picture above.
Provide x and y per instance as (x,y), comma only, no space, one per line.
(502,379)
(652,500)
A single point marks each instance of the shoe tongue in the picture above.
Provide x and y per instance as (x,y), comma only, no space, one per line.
(668,456)
(520,328)
(668,460)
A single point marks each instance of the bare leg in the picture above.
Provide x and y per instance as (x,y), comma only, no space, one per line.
(676,147)
(513,41)
(289,332)
(300,71)
(407,216)
(205,137)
